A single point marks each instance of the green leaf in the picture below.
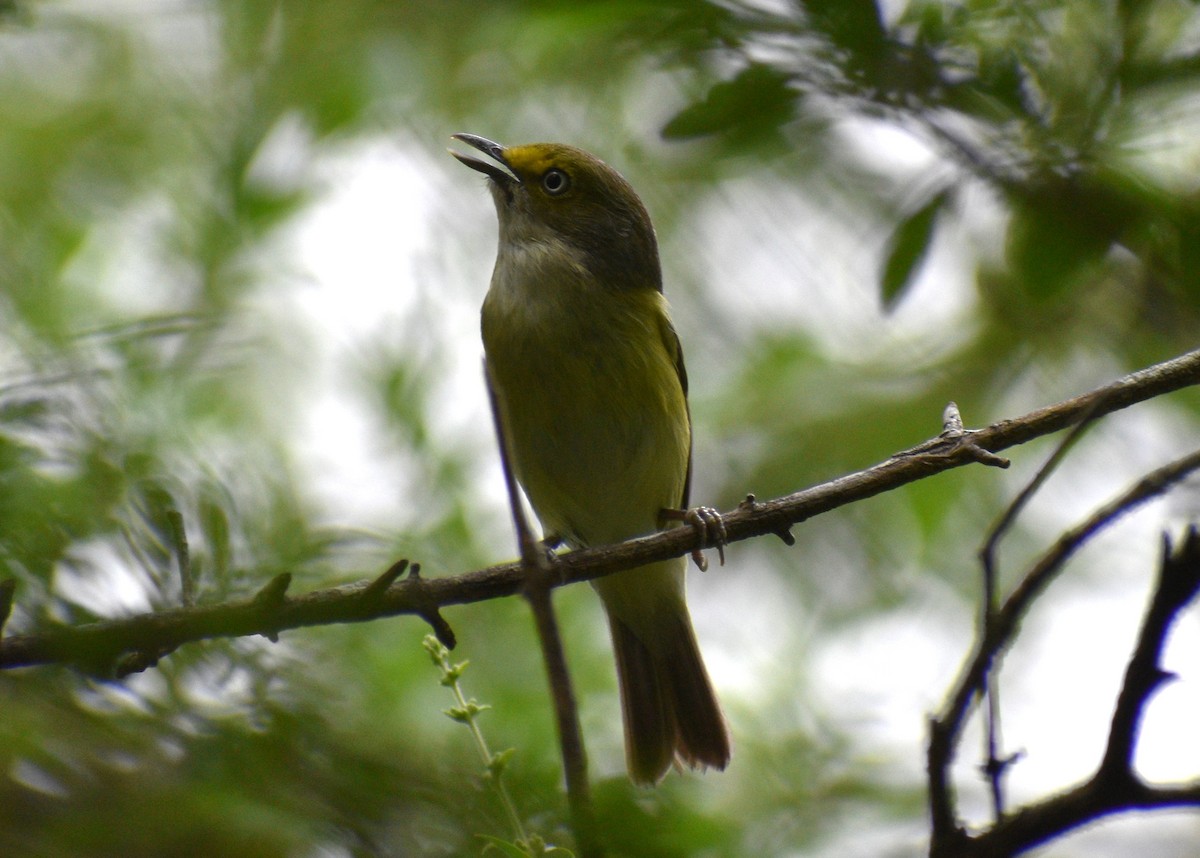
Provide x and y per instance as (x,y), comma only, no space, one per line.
(754,104)
(438,654)
(466,714)
(854,25)
(499,761)
(906,250)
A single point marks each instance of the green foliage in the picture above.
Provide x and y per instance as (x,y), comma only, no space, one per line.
(466,712)
(757,101)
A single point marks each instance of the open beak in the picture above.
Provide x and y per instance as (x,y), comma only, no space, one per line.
(502,175)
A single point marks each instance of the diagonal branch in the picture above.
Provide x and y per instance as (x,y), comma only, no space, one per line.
(1115,786)
(947,726)
(97,646)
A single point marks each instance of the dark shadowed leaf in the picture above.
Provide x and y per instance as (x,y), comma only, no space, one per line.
(906,250)
(1058,233)
(752,105)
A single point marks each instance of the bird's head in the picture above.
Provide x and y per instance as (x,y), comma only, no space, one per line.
(553,193)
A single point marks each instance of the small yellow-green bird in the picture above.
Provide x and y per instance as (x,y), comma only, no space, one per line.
(589,373)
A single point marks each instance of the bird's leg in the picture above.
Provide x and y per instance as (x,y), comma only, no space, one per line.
(709,527)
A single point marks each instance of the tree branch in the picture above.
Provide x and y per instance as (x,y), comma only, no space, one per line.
(995,765)
(1115,786)
(946,728)
(97,646)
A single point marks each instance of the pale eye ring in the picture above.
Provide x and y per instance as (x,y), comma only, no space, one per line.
(556,182)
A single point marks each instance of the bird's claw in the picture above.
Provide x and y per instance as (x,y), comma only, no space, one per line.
(710,531)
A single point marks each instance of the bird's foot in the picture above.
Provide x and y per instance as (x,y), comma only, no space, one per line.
(709,527)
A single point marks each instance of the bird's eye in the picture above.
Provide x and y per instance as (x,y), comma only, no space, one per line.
(556,182)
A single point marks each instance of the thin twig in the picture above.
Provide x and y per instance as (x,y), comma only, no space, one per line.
(947,726)
(987,554)
(1147,488)
(1115,786)
(995,766)
(179,545)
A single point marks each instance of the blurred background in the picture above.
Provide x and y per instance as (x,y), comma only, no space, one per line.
(240,281)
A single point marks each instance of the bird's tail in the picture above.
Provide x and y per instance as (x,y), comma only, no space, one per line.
(670,711)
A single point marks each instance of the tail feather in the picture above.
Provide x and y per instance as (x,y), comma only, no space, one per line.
(703,738)
(670,711)
(649,717)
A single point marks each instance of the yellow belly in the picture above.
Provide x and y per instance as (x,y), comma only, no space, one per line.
(596,413)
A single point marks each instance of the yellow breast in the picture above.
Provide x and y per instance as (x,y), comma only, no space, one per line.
(597,416)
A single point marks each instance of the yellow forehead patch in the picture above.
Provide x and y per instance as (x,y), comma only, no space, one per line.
(534,158)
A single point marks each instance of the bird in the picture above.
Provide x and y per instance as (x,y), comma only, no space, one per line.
(589,374)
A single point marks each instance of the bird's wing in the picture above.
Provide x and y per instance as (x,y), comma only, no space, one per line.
(675,350)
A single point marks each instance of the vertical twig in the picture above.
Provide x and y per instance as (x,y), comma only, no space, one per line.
(179,544)
(995,765)
(948,838)
(537,592)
